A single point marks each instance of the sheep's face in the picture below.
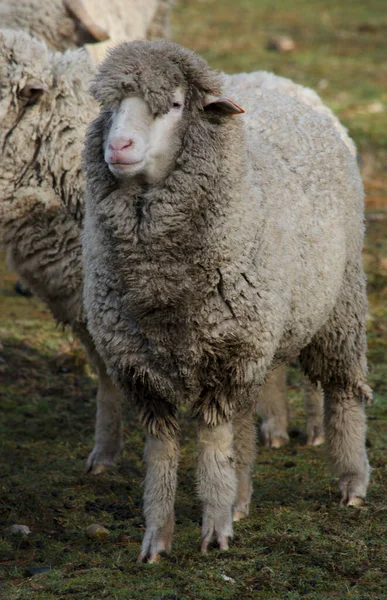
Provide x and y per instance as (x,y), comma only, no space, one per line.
(141,143)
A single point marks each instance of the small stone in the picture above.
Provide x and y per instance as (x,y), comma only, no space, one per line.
(20,530)
(322,84)
(97,532)
(227,578)
(281,44)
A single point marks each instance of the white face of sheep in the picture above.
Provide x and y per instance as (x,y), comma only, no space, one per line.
(138,143)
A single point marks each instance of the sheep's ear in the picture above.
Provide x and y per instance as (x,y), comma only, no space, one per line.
(222,103)
(33,90)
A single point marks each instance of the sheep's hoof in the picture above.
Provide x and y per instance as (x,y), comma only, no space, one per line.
(98,469)
(238,515)
(222,543)
(317,440)
(102,459)
(153,559)
(278,442)
(352,501)
(217,528)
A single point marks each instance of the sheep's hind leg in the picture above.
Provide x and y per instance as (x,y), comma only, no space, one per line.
(273,408)
(345,426)
(108,441)
(217,483)
(336,357)
(161,456)
(245,450)
(314,408)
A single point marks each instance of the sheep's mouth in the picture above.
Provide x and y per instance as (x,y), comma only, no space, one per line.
(121,164)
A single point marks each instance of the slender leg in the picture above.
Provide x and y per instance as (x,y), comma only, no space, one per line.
(108,442)
(345,427)
(217,483)
(273,408)
(161,456)
(314,408)
(245,450)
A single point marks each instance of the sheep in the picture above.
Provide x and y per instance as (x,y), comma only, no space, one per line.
(217,247)
(44,110)
(98,24)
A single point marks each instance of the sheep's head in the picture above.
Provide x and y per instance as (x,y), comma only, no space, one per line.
(25,72)
(149,93)
(44,108)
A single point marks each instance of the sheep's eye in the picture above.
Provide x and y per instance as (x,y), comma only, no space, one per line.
(176,105)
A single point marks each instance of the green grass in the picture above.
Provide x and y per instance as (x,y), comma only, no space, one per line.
(297,543)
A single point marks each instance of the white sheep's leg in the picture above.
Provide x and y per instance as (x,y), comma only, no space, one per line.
(108,441)
(245,450)
(272,406)
(345,430)
(161,456)
(217,483)
(314,408)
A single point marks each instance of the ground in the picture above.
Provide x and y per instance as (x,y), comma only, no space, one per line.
(298,542)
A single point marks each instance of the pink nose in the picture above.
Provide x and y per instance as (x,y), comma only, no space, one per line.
(120,143)
(119,150)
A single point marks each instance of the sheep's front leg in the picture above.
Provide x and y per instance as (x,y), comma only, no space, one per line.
(217,483)
(245,450)
(108,443)
(161,456)
(345,430)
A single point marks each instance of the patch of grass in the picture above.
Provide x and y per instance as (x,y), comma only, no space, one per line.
(297,543)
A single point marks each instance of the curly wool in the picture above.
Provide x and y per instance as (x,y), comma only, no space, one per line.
(197,286)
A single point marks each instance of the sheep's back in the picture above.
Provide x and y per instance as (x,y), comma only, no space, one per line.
(310,197)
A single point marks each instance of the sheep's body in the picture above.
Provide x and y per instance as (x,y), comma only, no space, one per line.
(242,257)
(54,23)
(275,83)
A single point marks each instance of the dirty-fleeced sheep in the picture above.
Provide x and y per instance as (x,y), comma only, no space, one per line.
(216,247)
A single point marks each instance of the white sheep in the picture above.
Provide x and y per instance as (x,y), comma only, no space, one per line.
(44,110)
(97,24)
(215,248)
